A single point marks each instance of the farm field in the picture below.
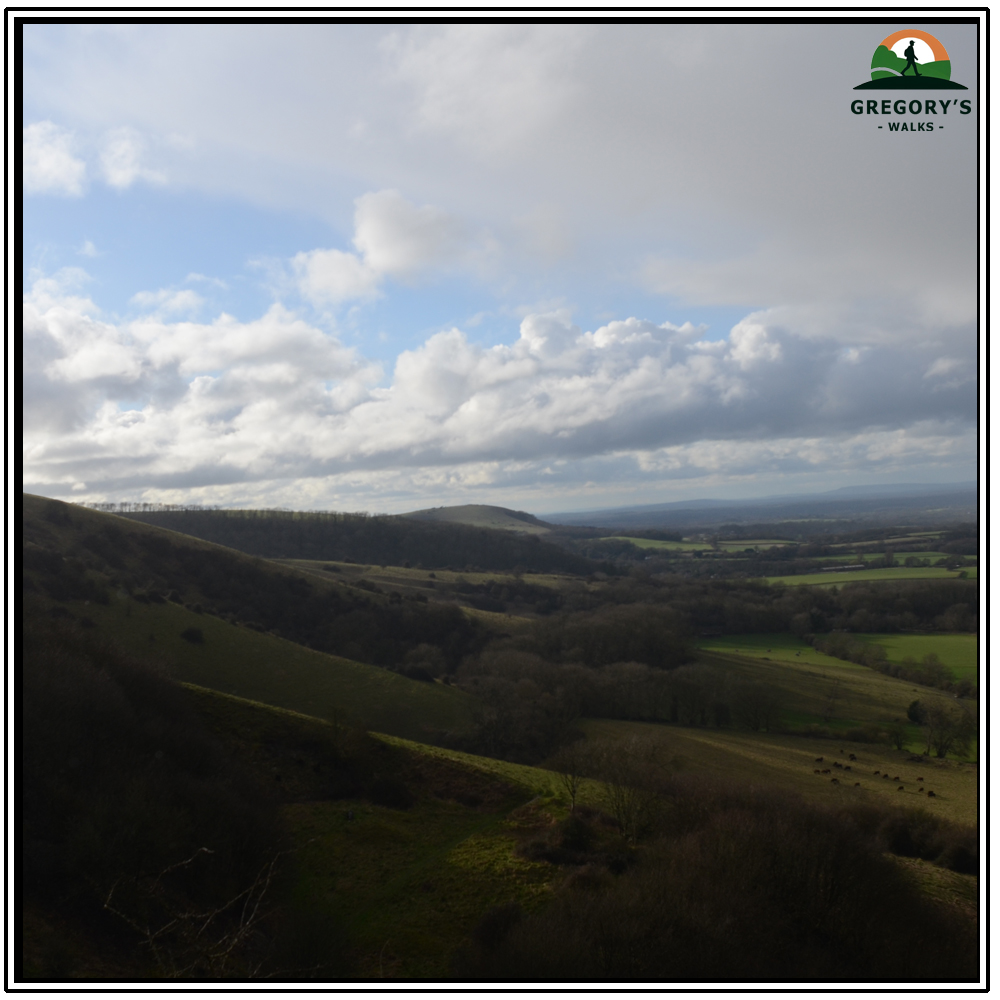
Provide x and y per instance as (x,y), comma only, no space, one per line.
(265,668)
(768,645)
(835,694)
(836,578)
(789,762)
(656,543)
(740,544)
(959,652)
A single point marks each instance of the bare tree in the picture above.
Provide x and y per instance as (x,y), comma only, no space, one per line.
(569,763)
(627,772)
(186,941)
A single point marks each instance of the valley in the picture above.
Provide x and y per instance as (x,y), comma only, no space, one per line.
(445,759)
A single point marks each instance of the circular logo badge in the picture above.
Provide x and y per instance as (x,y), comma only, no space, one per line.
(911,53)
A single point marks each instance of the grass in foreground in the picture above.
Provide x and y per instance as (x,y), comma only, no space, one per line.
(409,881)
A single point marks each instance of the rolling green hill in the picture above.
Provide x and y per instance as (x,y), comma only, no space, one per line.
(147,587)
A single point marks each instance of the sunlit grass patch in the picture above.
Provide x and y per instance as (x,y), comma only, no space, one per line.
(870,575)
(957,651)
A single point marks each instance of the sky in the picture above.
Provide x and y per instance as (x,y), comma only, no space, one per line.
(547,266)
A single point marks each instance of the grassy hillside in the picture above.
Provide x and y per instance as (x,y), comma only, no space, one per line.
(959,653)
(149,588)
(410,879)
(778,760)
(264,668)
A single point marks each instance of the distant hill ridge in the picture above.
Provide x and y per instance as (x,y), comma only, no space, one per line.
(909,503)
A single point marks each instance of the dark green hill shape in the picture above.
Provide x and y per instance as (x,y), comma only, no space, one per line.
(886,62)
(910,83)
(380,539)
(484,516)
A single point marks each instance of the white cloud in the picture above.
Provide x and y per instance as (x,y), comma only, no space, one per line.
(394,238)
(88,249)
(399,239)
(490,86)
(183,405)
(333,276)
(122,159)
(49,164)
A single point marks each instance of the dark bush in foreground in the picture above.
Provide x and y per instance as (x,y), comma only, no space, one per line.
(736,888)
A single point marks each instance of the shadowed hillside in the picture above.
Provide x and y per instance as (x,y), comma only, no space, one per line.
(217,617)
(384,540)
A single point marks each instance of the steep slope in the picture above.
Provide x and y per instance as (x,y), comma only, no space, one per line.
(211,616)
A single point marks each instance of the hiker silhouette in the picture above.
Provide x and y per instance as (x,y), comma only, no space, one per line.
(911,59)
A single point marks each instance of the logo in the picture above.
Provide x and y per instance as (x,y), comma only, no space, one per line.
(910,60)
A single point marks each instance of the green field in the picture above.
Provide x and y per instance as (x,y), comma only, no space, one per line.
(749,543)
(769,645)
(264,668)
(960,652)
(655,543)
(872,575)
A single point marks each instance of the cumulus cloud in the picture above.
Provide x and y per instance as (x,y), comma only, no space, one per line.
(394,238)
(122,158)
(400,239)
(49,164)
(185,405)
(333,276)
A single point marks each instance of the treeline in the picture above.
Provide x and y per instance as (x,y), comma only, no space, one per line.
(528,706)
(382,540)
(737,606)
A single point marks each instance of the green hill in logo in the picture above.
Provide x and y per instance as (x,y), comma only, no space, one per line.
(910,59)
(886,65)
